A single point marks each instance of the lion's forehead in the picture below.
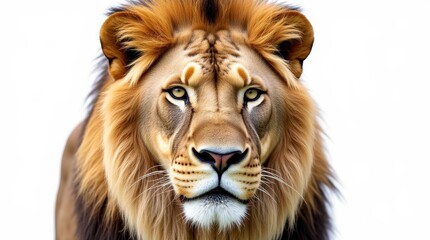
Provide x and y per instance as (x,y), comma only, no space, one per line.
(216,54)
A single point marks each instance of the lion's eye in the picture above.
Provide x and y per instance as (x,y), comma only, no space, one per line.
(252,94)
(178,93)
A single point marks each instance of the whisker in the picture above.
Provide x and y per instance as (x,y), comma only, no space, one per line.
(268,185)
(152,174)
(267,193)
(271,175)
(164,181)
(155,166)
(257,198)
(148,175)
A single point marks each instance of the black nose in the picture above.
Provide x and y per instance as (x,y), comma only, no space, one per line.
(220,161)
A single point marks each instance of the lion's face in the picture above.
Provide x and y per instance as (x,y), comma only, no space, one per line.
(214,122)
(203,122)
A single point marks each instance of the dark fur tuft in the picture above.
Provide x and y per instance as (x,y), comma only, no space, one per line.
(312,225)
(126,5)
(291,7)
(211,10)
(131,55)
(91,225)
(101,74)
(283,49)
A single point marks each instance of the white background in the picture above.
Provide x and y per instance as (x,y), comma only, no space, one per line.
(368,72)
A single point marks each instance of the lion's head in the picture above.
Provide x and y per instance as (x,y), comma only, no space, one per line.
(202,128)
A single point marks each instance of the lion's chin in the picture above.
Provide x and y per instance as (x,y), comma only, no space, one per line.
(208,210)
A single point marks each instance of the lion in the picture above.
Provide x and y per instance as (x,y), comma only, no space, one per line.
(200,128)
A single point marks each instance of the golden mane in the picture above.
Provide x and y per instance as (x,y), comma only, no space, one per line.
(154,25)
(112,155)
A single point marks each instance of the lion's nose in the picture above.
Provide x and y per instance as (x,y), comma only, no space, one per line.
(220,161)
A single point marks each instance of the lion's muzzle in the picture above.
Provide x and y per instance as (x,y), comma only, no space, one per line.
(222,170)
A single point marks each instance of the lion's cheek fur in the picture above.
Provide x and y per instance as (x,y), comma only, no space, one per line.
(292,156)
(124,158)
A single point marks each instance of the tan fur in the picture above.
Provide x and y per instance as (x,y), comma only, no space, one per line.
(120,150)
(64,209)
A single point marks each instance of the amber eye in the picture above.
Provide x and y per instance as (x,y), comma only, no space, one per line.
(178,93)
(252,94)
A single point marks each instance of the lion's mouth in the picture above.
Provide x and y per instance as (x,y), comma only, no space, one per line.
(216,195)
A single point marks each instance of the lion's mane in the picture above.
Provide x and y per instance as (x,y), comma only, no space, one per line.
(112,155)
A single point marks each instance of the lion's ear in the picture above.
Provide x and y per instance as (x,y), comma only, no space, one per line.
(115,47)
(297,50)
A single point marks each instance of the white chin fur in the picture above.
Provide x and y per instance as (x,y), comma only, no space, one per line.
(206,211)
